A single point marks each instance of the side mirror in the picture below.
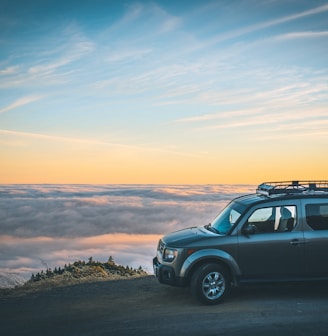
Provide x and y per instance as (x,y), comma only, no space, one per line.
(249,229)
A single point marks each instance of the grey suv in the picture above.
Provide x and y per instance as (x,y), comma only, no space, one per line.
(279,233)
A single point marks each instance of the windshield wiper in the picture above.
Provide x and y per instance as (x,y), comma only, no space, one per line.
(209,227)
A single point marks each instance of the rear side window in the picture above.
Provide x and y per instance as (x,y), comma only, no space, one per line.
(317,216)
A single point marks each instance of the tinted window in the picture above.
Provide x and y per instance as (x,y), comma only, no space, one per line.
(317,216)
(273,219)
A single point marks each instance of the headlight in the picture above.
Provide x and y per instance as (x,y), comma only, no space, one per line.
(169,254)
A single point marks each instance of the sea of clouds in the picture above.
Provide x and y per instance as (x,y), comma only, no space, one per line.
(48,226)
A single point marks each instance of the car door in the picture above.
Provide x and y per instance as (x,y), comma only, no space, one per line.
(316,237)
(271,247)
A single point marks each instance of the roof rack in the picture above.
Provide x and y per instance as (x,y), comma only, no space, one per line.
(291,187)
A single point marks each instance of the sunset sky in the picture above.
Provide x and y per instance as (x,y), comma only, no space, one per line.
(163,91)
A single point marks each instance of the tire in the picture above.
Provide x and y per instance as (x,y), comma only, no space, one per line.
(210,283)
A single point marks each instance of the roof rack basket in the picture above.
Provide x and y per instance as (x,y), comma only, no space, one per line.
(291,187)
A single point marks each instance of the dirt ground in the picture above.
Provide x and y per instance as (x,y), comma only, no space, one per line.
(142,306)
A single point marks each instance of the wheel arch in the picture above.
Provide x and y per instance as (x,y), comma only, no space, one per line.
(202,257)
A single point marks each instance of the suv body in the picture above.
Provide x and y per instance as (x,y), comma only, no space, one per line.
(279,233)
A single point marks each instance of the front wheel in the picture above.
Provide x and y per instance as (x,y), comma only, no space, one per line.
(210,283)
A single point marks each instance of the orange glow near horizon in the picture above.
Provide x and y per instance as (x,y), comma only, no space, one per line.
(27,159)
(80,170)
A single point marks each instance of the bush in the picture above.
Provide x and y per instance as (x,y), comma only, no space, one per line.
(81,269)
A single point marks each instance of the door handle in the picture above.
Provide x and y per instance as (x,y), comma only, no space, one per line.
(296,242)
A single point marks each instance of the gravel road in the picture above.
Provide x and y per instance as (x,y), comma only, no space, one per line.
(144,307)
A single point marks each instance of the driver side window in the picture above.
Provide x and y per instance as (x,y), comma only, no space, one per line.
(273,219)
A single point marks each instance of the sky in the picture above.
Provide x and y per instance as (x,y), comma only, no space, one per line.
(44,226)
(160,92)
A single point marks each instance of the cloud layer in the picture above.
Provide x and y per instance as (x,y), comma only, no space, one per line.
(57,224)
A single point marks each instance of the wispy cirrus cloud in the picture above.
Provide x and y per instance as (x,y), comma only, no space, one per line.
(165,22)
(9,70)
(268,24)
(53,60)
(293,97)
(48,68)
(63,138)
(270,122)
(94,142)
(127,54)
(73,49)
(306,128)
(268,119)
(288,18)
(221,115)
(20,102)
(301,35)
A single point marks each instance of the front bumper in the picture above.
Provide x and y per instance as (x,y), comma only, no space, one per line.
(166,274)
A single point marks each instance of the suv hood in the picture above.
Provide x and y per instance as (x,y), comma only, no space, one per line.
(187,236)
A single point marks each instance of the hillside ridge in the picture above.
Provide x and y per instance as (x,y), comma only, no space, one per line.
(78,272)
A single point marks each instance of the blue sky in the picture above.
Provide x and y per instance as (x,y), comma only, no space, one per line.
(163,91)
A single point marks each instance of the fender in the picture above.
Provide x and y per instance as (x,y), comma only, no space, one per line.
(210,254)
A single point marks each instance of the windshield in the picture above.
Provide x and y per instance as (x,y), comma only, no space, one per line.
(224,221)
